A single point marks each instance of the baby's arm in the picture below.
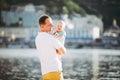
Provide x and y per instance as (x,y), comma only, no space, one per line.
(59,36)
(54,31)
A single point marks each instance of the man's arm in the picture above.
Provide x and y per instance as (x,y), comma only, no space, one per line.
(61,51)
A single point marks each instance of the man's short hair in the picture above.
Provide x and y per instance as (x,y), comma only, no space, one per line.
(42,19)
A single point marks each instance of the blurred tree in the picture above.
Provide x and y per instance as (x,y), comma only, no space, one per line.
(107,9)
(53,6)
(3,6)
(65,10)
(73,7)
(64,7)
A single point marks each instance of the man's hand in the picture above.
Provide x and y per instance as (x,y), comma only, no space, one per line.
(61,51)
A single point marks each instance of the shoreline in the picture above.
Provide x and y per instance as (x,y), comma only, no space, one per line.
(12,52)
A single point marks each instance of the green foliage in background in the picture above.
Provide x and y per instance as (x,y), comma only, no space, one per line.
(105,9)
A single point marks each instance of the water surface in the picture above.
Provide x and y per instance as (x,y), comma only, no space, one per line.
(78,64)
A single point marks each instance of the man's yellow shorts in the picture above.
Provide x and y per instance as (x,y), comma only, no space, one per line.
(57,75)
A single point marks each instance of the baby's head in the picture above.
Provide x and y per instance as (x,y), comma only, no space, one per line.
(60,26)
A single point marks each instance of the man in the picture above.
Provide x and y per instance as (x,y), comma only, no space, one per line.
(48,48)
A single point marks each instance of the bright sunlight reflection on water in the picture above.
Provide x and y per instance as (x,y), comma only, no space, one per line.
(78,64)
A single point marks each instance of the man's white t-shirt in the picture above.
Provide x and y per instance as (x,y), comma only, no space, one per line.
(46,45)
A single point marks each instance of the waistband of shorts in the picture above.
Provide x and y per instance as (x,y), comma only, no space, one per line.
(52,71)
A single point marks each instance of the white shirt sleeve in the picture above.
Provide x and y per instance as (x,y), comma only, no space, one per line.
(56,43)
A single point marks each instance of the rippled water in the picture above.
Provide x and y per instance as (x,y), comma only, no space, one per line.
(78,64)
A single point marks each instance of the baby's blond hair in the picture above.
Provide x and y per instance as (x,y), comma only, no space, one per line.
(62,23)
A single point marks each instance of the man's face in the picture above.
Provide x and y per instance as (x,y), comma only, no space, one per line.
(47,26)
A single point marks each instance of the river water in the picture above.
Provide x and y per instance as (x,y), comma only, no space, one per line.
(78,64)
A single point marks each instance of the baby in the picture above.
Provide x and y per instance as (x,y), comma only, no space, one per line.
(60,34)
